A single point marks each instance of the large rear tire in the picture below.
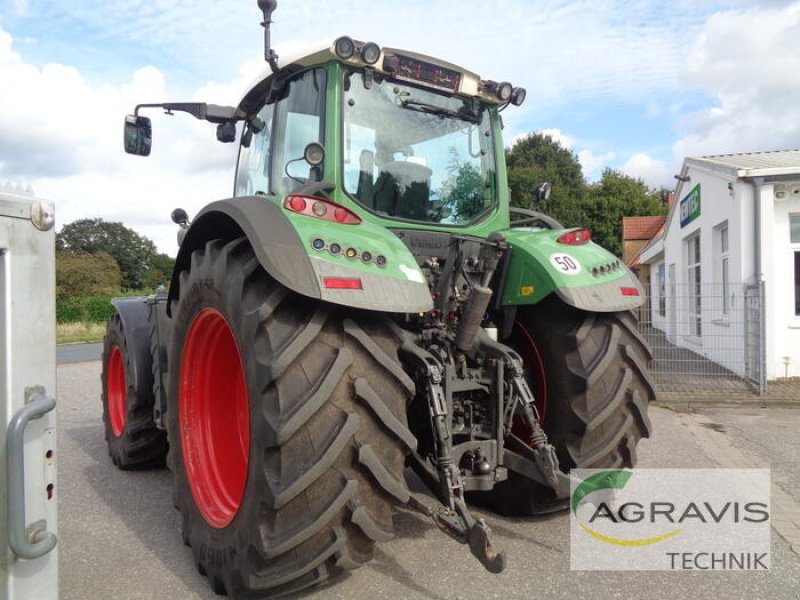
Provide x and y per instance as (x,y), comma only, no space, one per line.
(287,427)
(594,396)
(134,441)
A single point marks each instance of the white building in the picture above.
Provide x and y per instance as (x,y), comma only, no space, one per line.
(732,233)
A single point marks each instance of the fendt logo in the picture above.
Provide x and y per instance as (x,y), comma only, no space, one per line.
(705,519)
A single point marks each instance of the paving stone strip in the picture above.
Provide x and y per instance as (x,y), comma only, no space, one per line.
(785,513)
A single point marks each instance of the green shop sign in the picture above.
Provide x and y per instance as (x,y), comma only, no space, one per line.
(690,206)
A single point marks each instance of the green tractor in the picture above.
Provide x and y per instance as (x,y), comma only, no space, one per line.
(367,301)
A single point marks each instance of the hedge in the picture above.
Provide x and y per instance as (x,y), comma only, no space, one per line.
(92,309)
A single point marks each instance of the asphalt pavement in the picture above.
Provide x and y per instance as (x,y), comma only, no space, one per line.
(119,533)
(76,353)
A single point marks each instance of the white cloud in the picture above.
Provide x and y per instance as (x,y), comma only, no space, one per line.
(593,164)
(748,62)
(655,173)
(578,49)
(63,135)
(55,123)
(566,141)
(61,130)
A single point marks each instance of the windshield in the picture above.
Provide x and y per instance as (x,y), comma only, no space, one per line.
(416,155)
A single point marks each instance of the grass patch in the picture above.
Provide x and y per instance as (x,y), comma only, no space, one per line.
(79,332)
(666,405)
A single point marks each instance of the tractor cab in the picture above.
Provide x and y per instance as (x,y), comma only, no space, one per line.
(396,136)
(406,137)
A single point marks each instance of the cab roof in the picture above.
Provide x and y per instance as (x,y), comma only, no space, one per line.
(470,84)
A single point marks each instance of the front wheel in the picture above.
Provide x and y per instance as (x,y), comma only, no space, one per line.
(287,428)
(589,374)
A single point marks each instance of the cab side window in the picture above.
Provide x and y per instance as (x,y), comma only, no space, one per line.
(267,164)
(299,120)
(252,175)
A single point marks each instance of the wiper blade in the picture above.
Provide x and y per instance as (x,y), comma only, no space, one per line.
(439,111)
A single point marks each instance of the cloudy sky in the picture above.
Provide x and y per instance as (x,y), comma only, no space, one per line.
(632,85)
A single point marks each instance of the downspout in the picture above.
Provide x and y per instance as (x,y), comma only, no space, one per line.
(758,274)
(758,182)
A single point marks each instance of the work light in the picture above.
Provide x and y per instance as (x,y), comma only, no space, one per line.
(344,47)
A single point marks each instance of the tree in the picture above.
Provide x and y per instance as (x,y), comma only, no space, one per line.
(160,272)
(82,274)
(599,206)
(133,253)
(537,158)
(462,194)
(613,197)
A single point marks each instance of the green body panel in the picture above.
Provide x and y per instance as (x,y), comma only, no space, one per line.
(364,237)
(585,276)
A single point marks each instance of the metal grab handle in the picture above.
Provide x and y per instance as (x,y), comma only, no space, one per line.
(36,541)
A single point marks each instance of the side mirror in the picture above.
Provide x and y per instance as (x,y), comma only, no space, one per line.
(179,217)
(542,192)
(138,135)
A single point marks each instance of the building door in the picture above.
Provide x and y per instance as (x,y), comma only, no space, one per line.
(753,333)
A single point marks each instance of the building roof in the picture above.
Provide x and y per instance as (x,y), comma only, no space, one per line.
(641,228)
(753,164)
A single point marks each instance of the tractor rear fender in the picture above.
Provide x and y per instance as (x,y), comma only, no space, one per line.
(283,243)
(585,275)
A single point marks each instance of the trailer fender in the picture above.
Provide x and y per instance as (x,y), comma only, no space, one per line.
(282,242)
(585,276)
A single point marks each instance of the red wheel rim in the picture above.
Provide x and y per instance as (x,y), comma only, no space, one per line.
(522,342)
(213,417)
(116,392)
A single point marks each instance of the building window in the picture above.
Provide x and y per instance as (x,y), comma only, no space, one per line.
(794,238)
(722,249)
(693,279)
(662,290)
(797,283)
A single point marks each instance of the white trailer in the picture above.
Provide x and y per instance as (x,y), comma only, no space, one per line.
(28,485)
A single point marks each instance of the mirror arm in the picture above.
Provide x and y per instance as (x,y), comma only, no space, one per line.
(213,113)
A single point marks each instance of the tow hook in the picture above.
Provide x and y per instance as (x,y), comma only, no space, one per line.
(465,529)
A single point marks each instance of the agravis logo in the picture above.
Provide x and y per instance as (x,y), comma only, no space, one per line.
(676,519)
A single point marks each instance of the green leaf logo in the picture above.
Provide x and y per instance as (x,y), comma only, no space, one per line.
(599,481)
(604,481)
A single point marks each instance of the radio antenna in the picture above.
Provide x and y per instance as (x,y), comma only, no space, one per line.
(267,8)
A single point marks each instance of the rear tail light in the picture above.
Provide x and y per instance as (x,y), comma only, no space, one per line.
(342,283)
(629,291)
(575,237)
(321,208)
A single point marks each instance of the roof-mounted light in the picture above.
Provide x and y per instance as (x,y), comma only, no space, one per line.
(500,89)
(518,96)
(370,53)
(344,47)
(504,91)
